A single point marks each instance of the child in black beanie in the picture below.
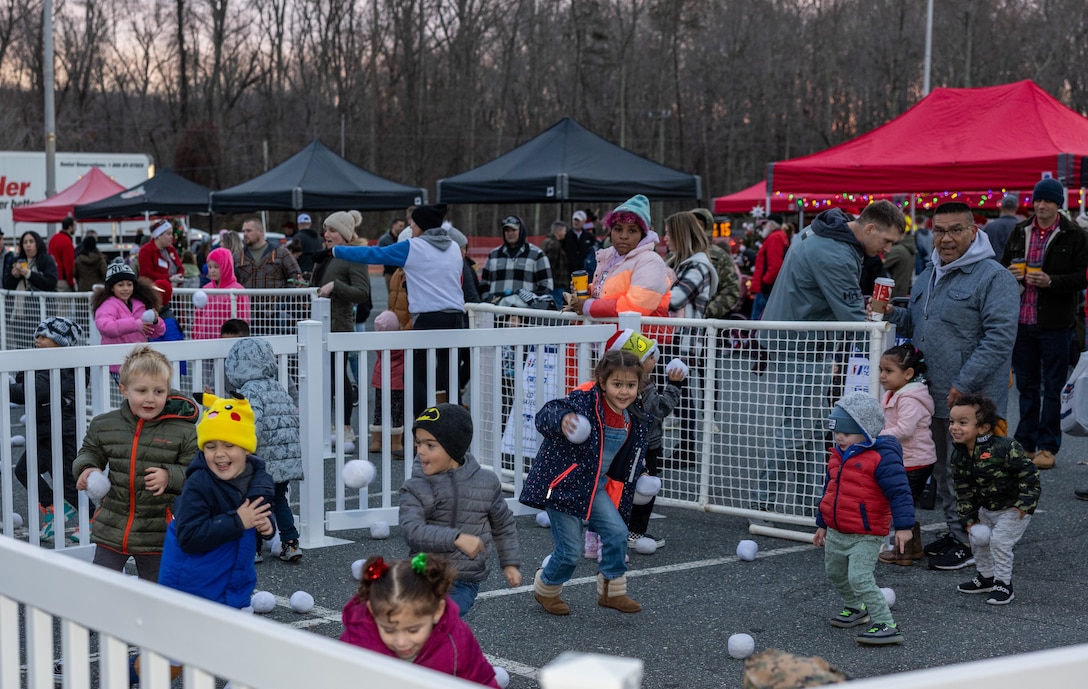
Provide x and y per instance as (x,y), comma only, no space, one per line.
(430,501)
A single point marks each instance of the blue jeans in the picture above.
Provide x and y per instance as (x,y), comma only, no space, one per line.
(759,302)
(464,594)
(799,453)
(281,510)
(1040,360)
(605,520)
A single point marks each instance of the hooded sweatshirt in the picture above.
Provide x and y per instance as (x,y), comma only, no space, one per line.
(432,269)
(208,320)
(819,280)
(510,268)
(963,316)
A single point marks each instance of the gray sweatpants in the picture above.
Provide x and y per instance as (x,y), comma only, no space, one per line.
(1006,529)
(849,560)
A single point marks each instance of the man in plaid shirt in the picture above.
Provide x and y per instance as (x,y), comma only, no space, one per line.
(264,266)
(515,265)
(1055,251)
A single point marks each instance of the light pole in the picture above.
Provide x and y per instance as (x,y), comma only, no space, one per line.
(660,115)
(50,114)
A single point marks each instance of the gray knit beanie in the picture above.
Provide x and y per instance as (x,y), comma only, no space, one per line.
(857,412)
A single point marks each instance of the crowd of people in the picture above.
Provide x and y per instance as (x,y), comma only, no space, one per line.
(979,307)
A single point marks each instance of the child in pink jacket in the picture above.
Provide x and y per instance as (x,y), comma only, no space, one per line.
(908,412)
(401,610)
(125,311)
(209,319)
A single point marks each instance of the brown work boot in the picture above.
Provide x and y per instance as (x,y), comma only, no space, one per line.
(1044,459)
(548,596)
(915,547)
(894,557)
(612,593)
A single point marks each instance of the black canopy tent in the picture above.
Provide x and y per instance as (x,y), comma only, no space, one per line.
(567,163)
(167,193)
(316,179)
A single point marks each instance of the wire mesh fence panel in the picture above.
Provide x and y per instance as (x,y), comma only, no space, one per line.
(23,311)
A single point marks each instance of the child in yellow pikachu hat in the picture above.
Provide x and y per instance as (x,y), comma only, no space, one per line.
(226,500)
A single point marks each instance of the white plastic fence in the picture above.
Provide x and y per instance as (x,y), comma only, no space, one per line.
(100,613)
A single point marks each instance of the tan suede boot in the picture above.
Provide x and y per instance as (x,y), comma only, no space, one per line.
(375,439)
(441,397)
(915,547)
(612,593)
(396,442)
(548,596)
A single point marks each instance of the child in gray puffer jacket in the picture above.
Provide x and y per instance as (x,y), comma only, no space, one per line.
(253,372)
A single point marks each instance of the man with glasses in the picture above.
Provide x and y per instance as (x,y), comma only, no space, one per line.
(515,265)
(962,315)
(1054,253)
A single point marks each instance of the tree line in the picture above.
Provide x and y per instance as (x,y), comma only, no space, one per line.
(417,90)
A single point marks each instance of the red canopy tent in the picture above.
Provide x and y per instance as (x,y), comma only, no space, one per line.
(93,186)
(992,138)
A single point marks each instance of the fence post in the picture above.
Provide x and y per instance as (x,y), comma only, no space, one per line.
(312,362)
(879,335)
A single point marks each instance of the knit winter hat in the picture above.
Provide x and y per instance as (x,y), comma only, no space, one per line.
(429,217)
(1049,189)
(345,223)
(857,412)
(386,321)
(451,426)
(60,330)
(118,271)
(638,206)
(630,341)
(707,219)
(228,419)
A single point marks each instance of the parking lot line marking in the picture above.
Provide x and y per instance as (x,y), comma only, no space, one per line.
(664,569)
(513,666)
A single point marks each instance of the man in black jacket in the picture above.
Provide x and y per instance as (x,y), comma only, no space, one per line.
(1056,253)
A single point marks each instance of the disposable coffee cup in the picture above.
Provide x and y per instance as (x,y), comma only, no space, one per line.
(882,294)
(1018,265)
(579,283)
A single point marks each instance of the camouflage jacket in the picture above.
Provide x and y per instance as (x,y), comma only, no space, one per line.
(999,475)
(722,302)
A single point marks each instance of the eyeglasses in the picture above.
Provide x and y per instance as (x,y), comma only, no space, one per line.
(955,230)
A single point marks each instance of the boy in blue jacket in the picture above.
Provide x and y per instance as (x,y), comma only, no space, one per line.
(226,501)
(865,492)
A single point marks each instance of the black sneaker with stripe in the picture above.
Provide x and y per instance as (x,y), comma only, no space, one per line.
(979,584)
(881,634)
(1000,594)
(850,617)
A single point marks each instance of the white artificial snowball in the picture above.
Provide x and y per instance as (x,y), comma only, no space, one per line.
(640,499)
(543,520)
(379,531)
(18,441)
(547,559)
(302,601)
(979,535)
(349,447)
(581,431)
(358,473)
(200,299)
(741,646)
(746,550)
(502,677)
(645,546)
(677,365)
(264,602)
(889,596)
(148,316)
(22,420)
(357,569)
(648,485)
(274,544)
(17,520)
(98,484)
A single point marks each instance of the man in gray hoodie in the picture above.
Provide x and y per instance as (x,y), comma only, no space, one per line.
(819,281)
(962,314)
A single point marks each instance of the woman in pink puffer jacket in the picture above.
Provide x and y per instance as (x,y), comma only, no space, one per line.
(208,320)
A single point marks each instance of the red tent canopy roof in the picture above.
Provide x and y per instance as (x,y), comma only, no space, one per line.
(90,187)
(998,137)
